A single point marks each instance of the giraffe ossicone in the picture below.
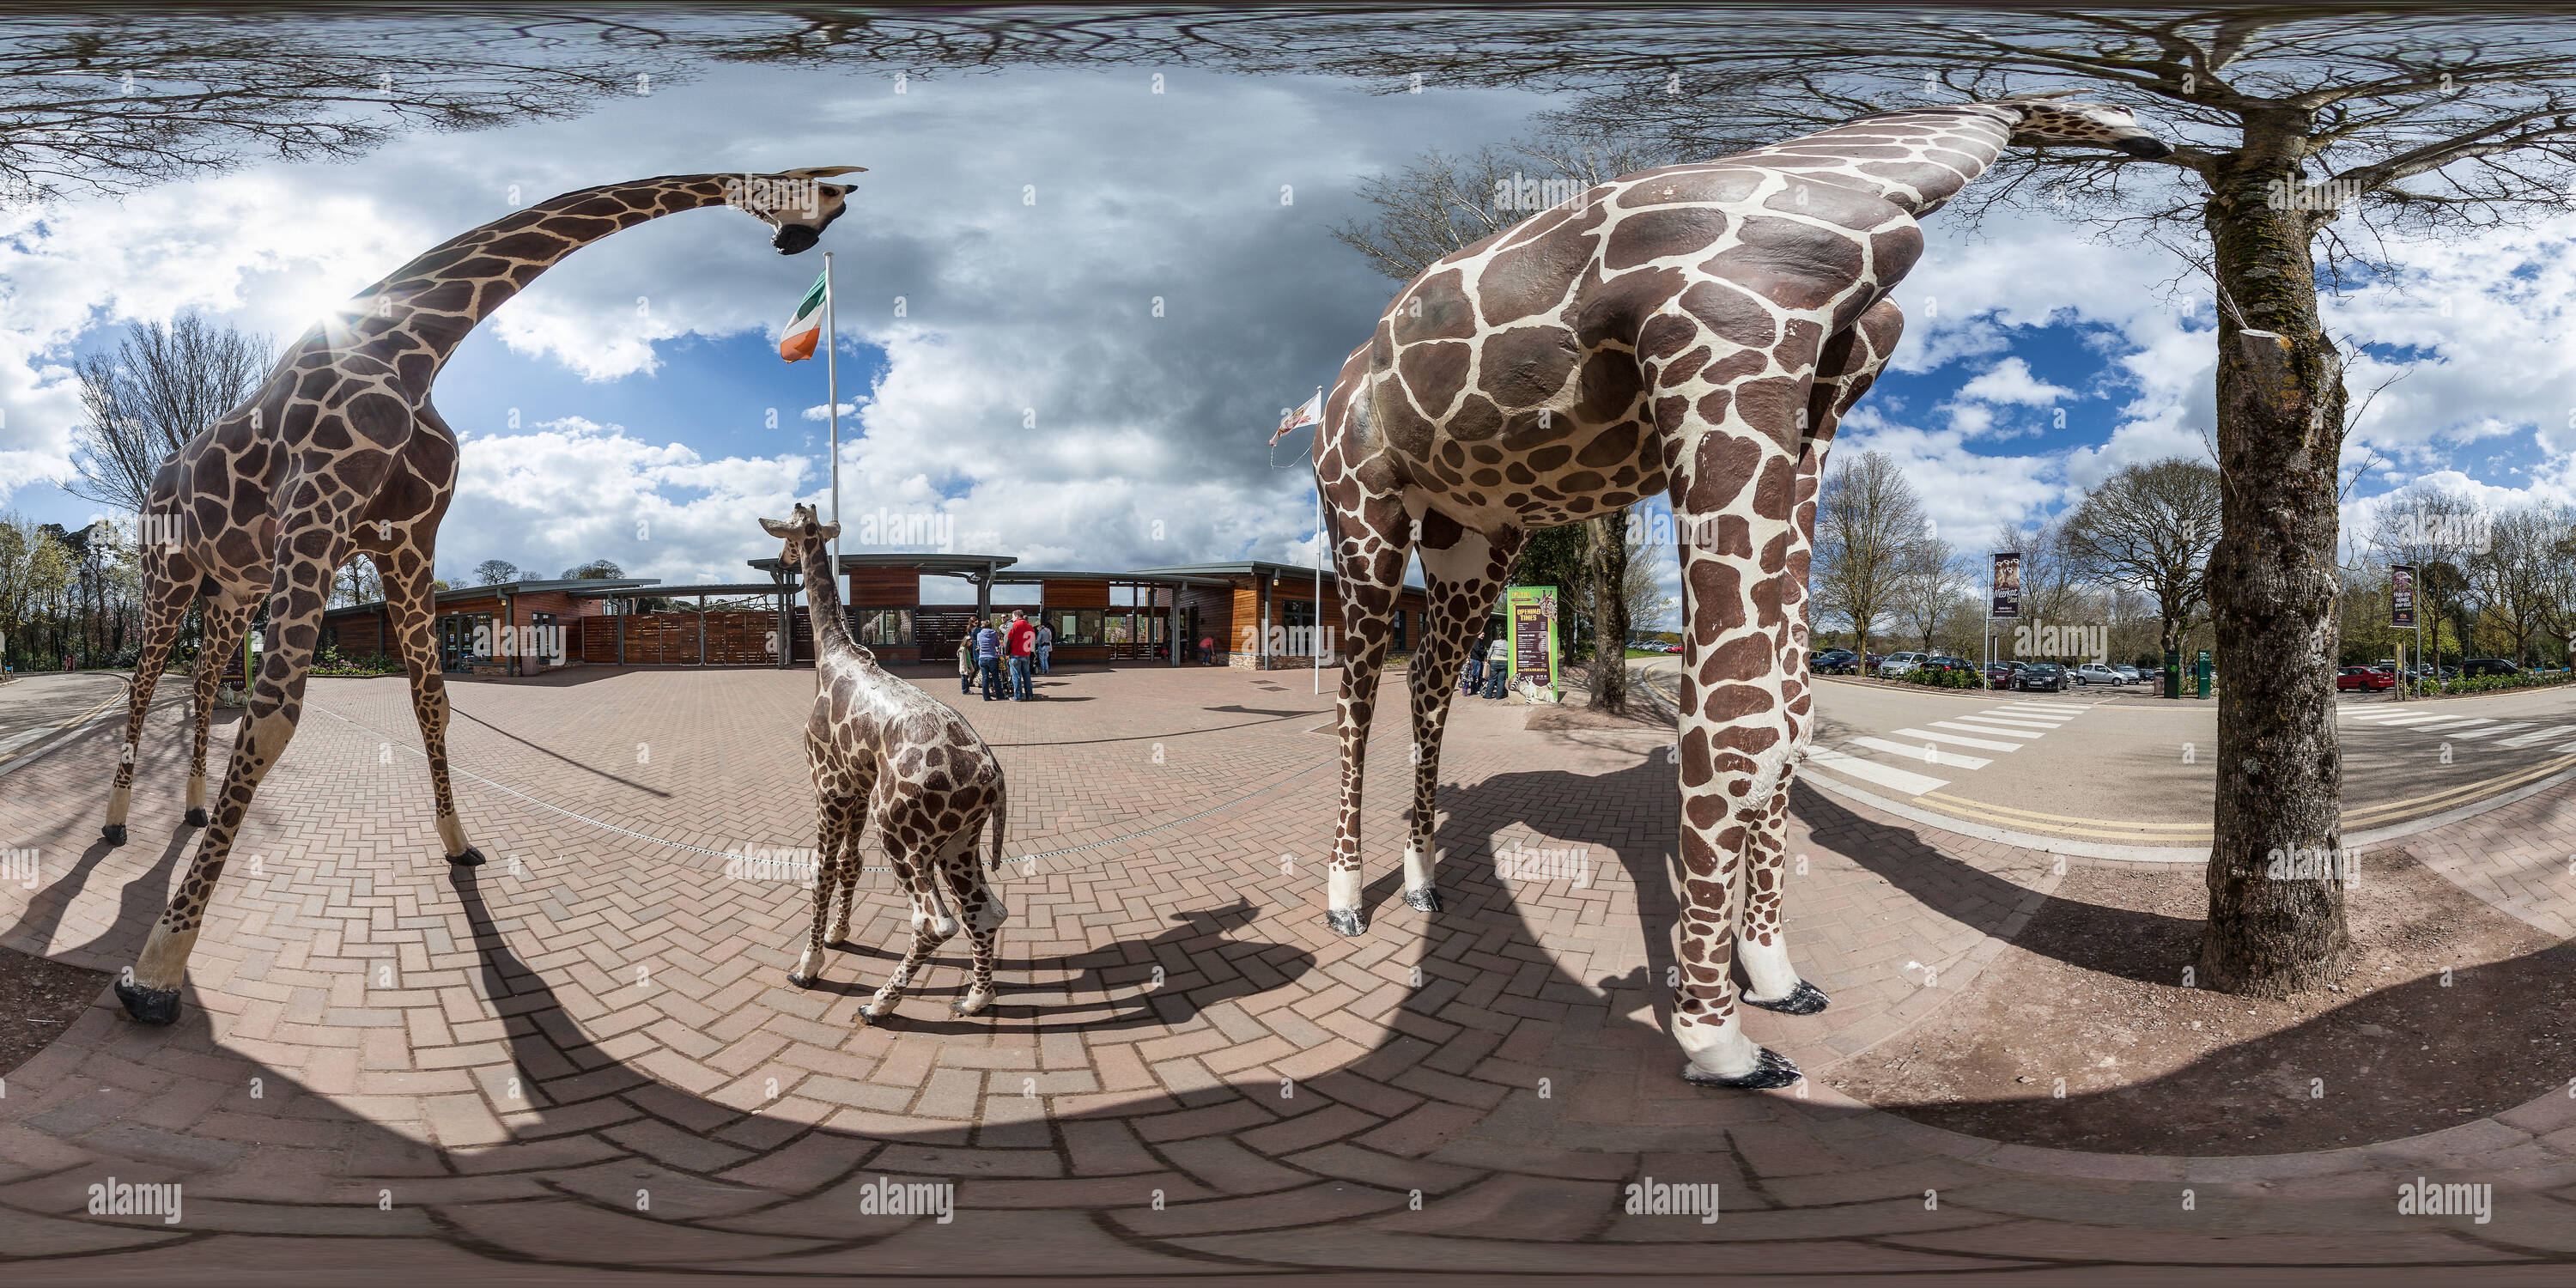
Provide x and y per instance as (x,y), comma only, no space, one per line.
(881,749)
(340,454)
(1698,331)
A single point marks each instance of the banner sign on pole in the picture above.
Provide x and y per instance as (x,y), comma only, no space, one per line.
(2401,595)
(2007,585)
(1532,615)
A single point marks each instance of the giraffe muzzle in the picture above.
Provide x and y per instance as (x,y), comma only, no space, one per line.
(2145,149)
(794,239)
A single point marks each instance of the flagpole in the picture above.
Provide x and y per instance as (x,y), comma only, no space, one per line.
(832,408)
(1318,641)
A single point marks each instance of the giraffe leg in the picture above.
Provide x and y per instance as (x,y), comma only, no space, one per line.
(931,925)
(408,596)
(171,584)
(309,547)
(226,623)
(980,909)
(1731,450)
(1463,570)
(1368,560)
(1846,368)
(830,817)
(852,828)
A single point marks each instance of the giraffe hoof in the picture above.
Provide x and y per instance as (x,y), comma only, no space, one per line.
(1771,1070)
(1346,922)
(155,1006)
(800,981)
(115,834)
(970,1004)
(197,818)
(1427,899)
(1805,999)
(471,858)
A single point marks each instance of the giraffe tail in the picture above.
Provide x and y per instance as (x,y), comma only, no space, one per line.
(1000,822)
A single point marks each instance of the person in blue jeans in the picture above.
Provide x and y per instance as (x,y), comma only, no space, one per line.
(1046,649)
(988,659)
(1475,666)
(1498,659)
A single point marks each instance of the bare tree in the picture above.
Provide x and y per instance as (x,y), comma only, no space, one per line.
(1927,594)
(1867,519)
(357,582)
(2512,573)
(2151,528)
(158,390)
(110,101)
(2051,585)
(495,572)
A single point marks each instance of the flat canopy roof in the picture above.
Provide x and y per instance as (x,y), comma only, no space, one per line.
(574,586)
(764,588)
(927,561)
(1017,577)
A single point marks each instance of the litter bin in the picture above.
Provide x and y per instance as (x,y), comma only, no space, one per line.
(2202,670)
(2173,673)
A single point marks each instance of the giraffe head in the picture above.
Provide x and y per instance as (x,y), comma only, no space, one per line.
(2054,117)
(795,202)
(805,531)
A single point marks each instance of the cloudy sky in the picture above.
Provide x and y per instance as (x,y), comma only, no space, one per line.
(1107,293)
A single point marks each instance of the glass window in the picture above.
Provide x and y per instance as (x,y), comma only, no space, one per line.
(1396,641)
(1088,621)
(885,627)
(1294,613)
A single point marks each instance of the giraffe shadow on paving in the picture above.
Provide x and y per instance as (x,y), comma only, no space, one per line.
(588,769)
(1983,902)
(1201,961)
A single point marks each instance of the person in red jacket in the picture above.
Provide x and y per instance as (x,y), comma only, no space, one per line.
(1021,642)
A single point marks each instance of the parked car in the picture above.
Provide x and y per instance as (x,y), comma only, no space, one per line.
(2045,677)
(2091,673)
(1835,661)
(2129,673)
(2364,678)
(1898,663)
(2488,666)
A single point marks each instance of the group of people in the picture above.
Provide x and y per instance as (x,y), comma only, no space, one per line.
(1489,662)
(1005,655)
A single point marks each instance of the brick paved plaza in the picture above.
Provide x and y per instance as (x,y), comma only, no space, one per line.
(585,1054)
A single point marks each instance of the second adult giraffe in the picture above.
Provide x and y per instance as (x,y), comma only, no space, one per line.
(341,454)
(1697,330)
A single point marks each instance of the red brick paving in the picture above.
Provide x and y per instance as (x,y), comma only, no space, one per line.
(586,1055)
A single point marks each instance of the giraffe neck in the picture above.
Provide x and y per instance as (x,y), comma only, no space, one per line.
(823,604)
(415,317)
(1918,158)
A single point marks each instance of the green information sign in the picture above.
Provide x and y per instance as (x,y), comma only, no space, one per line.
(1531,610)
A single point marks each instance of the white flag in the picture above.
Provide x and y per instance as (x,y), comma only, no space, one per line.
(1312,413)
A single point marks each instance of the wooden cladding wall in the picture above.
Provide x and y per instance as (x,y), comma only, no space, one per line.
(884,587)
(1076,594)
(671,639)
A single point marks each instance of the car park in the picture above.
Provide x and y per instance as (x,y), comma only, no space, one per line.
(1895,664)
(2044,677)
(2364,679)
(2092,673)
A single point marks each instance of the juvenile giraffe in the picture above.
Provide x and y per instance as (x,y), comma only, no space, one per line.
(1697,330)
(341,454)
(880,747)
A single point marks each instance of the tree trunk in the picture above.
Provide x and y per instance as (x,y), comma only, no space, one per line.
(2276,925)
(1608,557)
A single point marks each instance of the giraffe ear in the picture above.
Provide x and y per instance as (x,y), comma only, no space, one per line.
(825,171)
(778,529)
(828,531)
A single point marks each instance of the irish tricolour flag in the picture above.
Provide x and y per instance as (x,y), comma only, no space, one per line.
(805,330)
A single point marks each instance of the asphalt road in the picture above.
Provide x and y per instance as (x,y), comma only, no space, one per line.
(2116,767)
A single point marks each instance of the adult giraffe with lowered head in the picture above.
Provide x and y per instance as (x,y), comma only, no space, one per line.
(1697,330)
(341,454)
